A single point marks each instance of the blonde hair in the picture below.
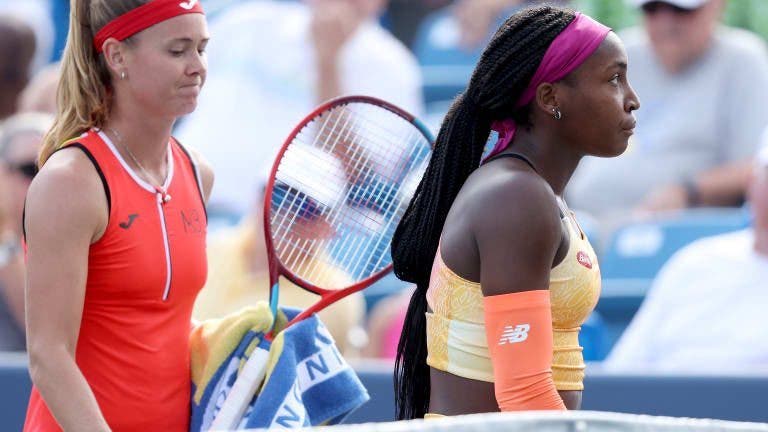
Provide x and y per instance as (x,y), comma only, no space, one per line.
(84,92)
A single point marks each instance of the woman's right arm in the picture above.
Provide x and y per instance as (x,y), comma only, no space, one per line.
(66,211)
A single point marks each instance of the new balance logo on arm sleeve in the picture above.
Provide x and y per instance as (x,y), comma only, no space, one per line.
(514,334)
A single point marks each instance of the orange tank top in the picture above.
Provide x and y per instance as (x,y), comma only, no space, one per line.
(144,274)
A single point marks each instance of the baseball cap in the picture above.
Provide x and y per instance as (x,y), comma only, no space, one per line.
(316,174)
(685,4)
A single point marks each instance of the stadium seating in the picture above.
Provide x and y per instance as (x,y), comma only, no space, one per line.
(637,251)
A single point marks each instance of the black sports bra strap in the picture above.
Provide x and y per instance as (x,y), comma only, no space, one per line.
(514,156)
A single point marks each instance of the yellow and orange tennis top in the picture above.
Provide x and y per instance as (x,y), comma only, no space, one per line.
(456,340)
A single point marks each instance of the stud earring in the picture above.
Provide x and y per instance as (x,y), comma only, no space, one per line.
(556,113)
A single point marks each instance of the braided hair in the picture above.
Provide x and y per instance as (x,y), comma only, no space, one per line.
(501,75)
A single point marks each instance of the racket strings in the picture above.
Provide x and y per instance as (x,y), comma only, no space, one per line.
(341,192)
(355,160)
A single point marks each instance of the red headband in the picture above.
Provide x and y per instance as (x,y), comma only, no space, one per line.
(143,17)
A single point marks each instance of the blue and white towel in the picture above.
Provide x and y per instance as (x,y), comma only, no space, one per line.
(308,382)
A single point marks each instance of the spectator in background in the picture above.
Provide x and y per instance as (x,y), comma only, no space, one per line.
(463,27)
(20,139)
(271,63)
(478,19)
(17,48)
(40,93)
(403,17)
(699,83)
(36,14)
(706,309)
(238,275)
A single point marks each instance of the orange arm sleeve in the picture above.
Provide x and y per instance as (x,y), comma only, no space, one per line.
(518,328)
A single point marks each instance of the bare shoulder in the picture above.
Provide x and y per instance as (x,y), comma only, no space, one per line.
(511,200)
(206,171)
(68,172)
(68,191)
(516,226)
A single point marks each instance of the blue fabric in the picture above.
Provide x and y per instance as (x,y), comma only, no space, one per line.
(308,382)
(60,18)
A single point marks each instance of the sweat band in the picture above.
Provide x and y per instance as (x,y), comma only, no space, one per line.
(143,17)
(519,334)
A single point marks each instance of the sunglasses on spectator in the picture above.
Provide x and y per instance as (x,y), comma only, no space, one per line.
(657,6)
(287,198)
(27,169)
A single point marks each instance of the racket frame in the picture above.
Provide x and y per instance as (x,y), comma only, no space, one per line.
(254,370)
(276,267)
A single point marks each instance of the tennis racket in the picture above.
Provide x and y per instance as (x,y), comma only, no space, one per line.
(337,190)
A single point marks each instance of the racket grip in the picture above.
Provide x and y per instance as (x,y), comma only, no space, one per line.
(238,399)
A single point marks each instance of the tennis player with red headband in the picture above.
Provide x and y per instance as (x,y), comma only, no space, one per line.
(504,274)
(115,223)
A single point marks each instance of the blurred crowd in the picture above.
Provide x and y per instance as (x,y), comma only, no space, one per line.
(700,128)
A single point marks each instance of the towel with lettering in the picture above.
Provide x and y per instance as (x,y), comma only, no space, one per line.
(308,382)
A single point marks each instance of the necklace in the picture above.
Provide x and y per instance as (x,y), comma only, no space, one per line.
(160,190)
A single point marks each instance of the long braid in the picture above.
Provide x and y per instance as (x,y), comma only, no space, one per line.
(502,73)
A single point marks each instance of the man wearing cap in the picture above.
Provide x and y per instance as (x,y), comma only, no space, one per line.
(238,274)
(702,86)
(706,309)
(271,63)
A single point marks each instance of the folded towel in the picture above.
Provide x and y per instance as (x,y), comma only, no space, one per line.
(308,382)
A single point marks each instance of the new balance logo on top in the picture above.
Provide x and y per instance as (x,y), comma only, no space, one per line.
(188,4)
(514,334)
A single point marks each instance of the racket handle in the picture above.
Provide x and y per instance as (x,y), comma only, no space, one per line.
(238,399)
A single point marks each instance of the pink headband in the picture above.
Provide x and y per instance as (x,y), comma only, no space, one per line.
(143,17)
(566,53)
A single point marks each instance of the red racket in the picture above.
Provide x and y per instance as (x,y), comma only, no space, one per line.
(338,188)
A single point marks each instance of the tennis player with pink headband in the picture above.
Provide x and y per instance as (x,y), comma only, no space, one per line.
(115,223)
(504,274)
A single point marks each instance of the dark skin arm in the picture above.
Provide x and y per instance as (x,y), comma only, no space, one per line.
(597,104)
(506,218)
